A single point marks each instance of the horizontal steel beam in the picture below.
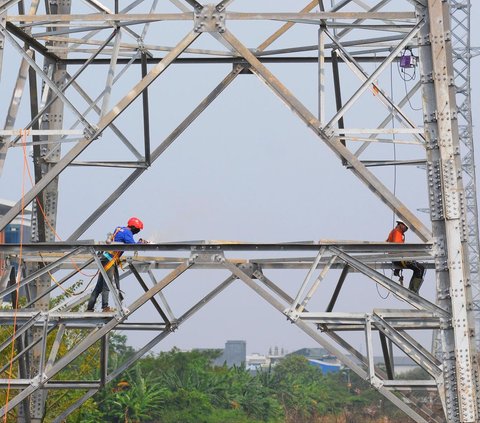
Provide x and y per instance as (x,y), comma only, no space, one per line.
(233,16)
(217,246)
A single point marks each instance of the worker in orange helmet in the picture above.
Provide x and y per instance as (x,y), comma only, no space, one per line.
(110,260)
(397,235)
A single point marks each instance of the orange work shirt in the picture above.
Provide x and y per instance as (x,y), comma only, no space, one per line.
(396,235)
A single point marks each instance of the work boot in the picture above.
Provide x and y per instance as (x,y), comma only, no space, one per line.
(415,284)
(108,309)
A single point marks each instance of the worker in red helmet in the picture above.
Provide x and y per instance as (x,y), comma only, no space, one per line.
(397,234)
(110,260)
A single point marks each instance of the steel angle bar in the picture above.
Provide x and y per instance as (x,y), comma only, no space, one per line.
(55,347)
(376,7)
(113,289)
(43,348)
(72,302)
(13,108)
(71,80)
(405,294)
(31,42)
(349,348)
(131,6)
(6,4)
(156,153)
(315,285)
(324,343)
(93,337)
(384,16)
(23,383)
(152,343)
(284,28)
(156,71)
(145,288)
(270,284)
(195,4)
(369,344)
(417,353)
(146,113)
(138,18)
(22,353)
(20,331)
(368,82)
(387,357)
(147,25)
(223,5)
(338,288)
(321,76)
(419,346)
(58,92)
(306,281)
(280,307)
(168,310)
(103,360)
(410,384)
(111,74)
(93,106)
(59,283)
(41,272)
(358,168)
(3,21)
(82,400)
(100,7)
(189,313)
(384,99)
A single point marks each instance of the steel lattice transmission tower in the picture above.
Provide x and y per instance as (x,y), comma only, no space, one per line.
(462,54)
(76,70)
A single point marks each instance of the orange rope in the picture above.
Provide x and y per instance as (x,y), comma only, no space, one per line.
(17,291)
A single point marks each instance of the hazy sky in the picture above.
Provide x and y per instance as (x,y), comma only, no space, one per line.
(249,170)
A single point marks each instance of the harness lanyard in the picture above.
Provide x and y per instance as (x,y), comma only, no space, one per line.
(115,254)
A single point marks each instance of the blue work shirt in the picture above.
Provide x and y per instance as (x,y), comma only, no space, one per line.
(123,234)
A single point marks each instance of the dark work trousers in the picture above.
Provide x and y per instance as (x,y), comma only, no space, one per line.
(417,276)
(102,287)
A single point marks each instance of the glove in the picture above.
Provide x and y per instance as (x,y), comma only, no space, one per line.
(396,272)
(143,241)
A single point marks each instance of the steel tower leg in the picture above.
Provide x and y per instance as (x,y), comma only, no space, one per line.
(448,215)
(460,30)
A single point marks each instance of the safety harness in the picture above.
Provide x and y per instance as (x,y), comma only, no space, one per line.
(112,256)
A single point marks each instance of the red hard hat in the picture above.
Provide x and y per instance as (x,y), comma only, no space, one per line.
(135,222)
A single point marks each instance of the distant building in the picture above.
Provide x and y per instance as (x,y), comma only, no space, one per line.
(17,230)
(321,358)
(234,354)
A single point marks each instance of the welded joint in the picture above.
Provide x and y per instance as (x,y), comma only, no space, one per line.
(209,19)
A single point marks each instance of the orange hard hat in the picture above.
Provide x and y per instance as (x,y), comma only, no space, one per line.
(135,222)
